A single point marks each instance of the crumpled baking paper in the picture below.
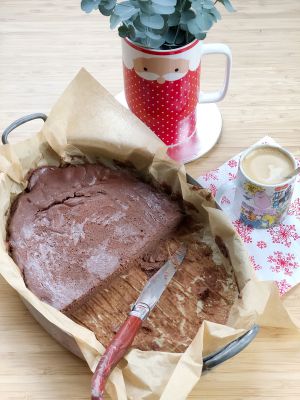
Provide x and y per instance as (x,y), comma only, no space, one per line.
(88,122)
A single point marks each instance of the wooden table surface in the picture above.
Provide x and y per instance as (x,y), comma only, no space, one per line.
(42,46)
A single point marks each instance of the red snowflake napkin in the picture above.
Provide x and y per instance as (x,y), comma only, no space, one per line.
(275,252)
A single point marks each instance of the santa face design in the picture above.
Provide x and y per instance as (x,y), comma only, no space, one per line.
(161,69)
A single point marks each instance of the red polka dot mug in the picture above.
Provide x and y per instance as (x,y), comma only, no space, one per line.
(162,87)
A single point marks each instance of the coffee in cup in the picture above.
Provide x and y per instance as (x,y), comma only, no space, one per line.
(267,165)
(262,191)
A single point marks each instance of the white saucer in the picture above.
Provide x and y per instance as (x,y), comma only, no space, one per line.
(209,127)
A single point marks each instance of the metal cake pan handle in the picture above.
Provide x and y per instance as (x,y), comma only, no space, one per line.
(19,122)
(231,350)
(209,361)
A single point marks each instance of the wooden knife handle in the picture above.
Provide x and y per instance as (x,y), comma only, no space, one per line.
(115,351)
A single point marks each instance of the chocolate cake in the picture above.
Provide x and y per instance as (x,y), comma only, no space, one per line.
(76,228)
(200,290)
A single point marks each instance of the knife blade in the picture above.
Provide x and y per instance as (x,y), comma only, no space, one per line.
(123,339)
(157,284)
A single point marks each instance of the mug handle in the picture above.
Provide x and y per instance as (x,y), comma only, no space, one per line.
(217,48)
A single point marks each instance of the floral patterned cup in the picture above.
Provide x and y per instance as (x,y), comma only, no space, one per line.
(256,204)
(162,87)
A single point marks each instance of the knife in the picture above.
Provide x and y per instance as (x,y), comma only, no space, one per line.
(123,339)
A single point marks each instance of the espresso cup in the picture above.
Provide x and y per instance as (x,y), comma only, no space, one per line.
(262,194)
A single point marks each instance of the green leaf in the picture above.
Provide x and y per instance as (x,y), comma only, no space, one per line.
(146,8)
(193,26)
(107,6)
(170,35)
(114,21)
(190,38)
(152,21)
(184,27)
(104,11)
(163,10)
(186,16)
(180,38)
(175,36)
(125,10)
(215,13)
(200,35)
(89,5)
(166,3)
(200,24)
(123,31)
(153,43)
(197,5)
(204,21)
(213,17)
(227,4)
(139,36)
(152,35)
(174,19)
(161,31)
(208,4)
(186,6)
(138,25)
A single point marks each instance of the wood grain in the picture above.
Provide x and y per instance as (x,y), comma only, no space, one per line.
(42,46)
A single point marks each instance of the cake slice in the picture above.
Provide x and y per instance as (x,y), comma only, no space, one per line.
(75,228)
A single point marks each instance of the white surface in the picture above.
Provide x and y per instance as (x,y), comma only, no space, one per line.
(274,252)
(209,127)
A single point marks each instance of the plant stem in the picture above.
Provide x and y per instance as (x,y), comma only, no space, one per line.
(177,31)
(147,38)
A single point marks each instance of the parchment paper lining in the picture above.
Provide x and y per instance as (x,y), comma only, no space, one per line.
(88,121)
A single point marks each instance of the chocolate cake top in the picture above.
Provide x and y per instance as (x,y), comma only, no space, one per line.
(75,228)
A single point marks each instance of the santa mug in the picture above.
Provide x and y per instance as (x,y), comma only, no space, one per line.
(162,87)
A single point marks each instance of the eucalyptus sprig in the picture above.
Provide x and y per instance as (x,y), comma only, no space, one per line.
(160,23)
